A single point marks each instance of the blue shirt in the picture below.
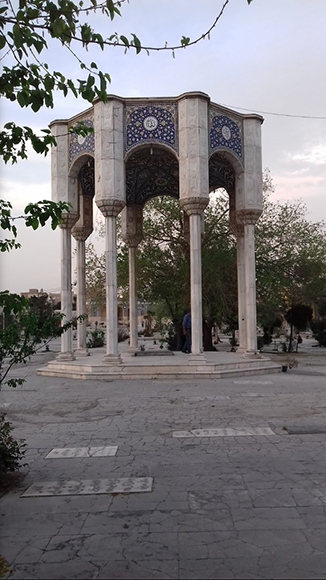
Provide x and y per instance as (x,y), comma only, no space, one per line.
(187,320)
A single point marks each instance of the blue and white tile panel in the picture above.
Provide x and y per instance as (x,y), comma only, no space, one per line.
(154,123)
(225,133)
(79,144)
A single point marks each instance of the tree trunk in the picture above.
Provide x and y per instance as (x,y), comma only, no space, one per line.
(291,338)
(207,330)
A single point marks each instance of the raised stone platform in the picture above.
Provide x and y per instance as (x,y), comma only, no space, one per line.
(207,366)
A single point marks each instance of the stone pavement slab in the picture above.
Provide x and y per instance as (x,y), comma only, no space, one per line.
(250,506)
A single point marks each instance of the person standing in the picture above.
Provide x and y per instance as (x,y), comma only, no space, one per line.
(186,327)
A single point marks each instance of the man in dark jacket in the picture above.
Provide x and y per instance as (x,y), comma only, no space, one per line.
(186,327)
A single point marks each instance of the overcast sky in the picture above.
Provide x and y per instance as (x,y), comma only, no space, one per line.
(269,57)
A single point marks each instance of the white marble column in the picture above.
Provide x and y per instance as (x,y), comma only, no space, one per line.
(133,314)
(81,299)
(66,293)
(250,278)
(195,284)
(238,230)
(111,289)
(241,293)
(81,230)
(132,234)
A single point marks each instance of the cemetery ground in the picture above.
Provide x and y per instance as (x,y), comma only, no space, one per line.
(169,478)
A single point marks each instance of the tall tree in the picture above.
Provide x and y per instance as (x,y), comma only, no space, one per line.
(290,261)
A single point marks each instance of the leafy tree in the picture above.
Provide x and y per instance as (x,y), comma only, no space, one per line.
(298,316)
(290,263)
(36,26)
(290,257)
(23,333)
(95,277)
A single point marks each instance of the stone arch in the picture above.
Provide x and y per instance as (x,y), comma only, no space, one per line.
(151,170)
(225,171)
(81,178)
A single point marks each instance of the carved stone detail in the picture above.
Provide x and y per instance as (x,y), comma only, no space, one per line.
(68,220)
(81,233)
(132,240)
(194,205)
(236,228)
(110,207)
(248,216)
(221,173)
(87,179)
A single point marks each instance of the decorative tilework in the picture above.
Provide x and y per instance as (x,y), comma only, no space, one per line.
(150,174)
(221,173)
(78,144)
(226,133)
(151,122)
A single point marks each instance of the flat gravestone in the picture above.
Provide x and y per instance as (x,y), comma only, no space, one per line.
(90,487)
(154,353)
(69,452)
(313,430)
(225,432)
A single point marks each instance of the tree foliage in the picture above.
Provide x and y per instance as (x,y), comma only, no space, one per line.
(290,257)
(290,261)
(24,331)
(29,31)
(35,215)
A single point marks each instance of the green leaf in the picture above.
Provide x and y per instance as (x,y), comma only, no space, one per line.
(22,99)
(125,40)
(137,43)
(49,82)
(72,87)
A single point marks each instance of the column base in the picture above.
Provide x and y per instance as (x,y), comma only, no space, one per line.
(133,349)
(114,359)
(241,349)
(252,354)
(81,352)
(66,356)
(197,359)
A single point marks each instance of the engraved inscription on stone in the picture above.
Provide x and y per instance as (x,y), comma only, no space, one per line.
(82,452)
(90,487)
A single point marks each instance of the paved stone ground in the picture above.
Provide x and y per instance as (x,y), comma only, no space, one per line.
(221,507)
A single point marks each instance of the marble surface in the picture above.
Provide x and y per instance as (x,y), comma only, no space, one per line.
(82,452)
(90,487)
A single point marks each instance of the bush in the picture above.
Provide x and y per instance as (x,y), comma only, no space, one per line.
(122,333)
(318,328)
(11,451)
(95,338)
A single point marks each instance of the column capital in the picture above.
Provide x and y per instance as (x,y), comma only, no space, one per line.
(81,233)
(236,228)
(132,240)
(110,207)
(68,220)
(248,216)
(194,205)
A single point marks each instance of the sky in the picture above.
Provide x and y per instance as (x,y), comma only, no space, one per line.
(269,57)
